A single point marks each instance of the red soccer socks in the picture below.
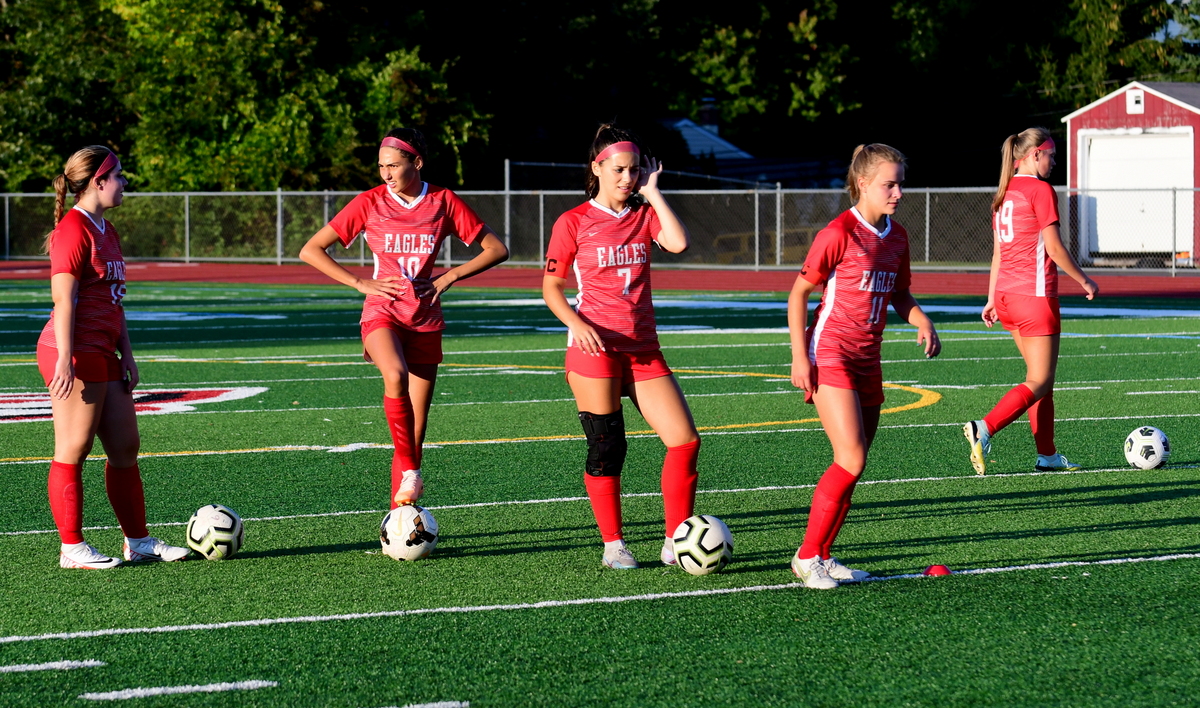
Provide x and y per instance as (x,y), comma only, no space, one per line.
(1018,399)
(679,483)
(125,493)
(1041,421)
(605,496)
(65,487)
(831,502)
(401,424)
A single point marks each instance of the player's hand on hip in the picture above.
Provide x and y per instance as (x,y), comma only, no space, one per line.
(64,380)
(802,375)
(390,287)
(432,288)
(1090,287)
(989,314)
(929,337)
(587,340)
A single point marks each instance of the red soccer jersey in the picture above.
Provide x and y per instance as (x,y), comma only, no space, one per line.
(610,254)
(91,253)
(861,268)
(1030,205)
(404,240)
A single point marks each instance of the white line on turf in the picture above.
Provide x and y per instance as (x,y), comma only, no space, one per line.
(126,694)
(544,604)
(437,704)
(51,666)
(1151,393)
(631,495)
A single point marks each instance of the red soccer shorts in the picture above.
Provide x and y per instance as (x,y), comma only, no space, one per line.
(418,347)
(627,366)
(1029,315)
(90,367)
(867,381)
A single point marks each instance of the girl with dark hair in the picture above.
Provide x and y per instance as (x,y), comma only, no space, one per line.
(91,388)
(612,342)
(862,258)
(404,221)
(1027,252)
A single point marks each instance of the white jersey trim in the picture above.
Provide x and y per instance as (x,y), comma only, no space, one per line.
(85,212)
(578,297)
(610,212)
(413,203)
(881,234)
(375,257)
(826,309)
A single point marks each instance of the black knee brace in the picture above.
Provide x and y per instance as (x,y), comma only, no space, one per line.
(606,442)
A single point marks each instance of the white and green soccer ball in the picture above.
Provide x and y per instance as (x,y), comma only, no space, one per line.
(215,532)
(408,533)
(1147,448)
(703,545)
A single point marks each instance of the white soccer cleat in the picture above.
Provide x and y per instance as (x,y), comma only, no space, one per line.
(82,555)
(841,573)
(981,444)
(411,488)
(619,558)
(667,556)
(1056,463)
(813,572)
(151,549)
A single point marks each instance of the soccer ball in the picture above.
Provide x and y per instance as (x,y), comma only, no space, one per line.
(703,545)
(215,532)
(1147,448)
(408,533)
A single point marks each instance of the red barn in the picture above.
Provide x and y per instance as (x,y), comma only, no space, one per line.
(1132,171)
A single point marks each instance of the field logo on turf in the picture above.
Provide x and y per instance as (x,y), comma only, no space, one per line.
(35,405)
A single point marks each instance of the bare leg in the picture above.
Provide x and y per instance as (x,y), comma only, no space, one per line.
(842,417)
(662,404)
(421,381)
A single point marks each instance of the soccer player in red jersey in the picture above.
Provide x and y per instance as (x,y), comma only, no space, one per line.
(1023,294)
(862,258)
(612,342)
(404,221)
(91,388)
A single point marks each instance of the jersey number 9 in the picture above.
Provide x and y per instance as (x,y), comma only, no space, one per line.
(1004,225)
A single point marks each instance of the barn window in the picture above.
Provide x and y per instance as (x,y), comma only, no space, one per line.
(1135,101)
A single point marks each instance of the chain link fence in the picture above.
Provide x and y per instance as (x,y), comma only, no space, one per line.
(730,228)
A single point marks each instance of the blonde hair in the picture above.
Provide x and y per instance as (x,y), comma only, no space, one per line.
(77,174)
(866,161)
(1016,148)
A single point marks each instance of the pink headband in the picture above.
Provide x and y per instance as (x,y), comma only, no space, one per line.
(110,162)
(615,148)
(399,144)
(1044,147)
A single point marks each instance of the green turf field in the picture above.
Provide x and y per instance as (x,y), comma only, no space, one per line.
(1086,595)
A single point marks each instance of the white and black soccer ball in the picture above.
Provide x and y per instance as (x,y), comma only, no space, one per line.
(1147,448)
(215,532)
(703,545)
(408,533)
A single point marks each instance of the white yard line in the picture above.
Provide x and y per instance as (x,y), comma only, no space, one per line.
(126,694)
(547,604)
(51,666)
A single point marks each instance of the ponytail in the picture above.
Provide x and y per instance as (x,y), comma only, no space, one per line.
(607,134)
(76,176)
(1016,148)
(866,161)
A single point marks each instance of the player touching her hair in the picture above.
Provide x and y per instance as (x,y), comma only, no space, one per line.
(612,342)
(1023,294)
(404,221)
(862,258)
(91,388)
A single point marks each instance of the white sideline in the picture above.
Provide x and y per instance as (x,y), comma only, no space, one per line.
(128,693)
(51,666)
(119,631)
(628,495)
(437,704)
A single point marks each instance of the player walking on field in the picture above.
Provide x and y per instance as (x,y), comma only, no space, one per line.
(612,342)
(404,221)
(862,257)
(91,388)
(1023,294)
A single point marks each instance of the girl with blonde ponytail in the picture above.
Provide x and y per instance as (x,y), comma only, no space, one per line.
(91,388)
(862,258)
(1023,293)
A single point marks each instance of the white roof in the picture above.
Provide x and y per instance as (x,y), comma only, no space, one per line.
(701,141)
(1184,95)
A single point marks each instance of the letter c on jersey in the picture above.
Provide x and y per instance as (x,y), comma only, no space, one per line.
(550,263)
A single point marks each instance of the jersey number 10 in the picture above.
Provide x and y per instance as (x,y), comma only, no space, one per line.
(1004,225)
